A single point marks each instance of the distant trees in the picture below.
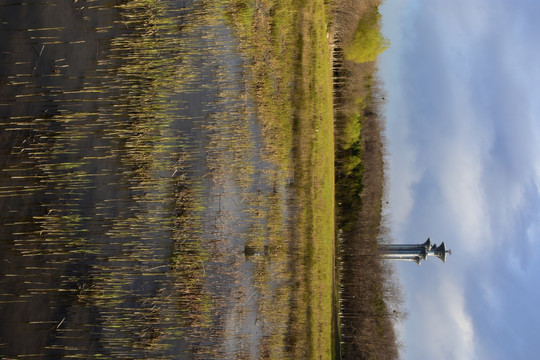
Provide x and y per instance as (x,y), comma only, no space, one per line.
(371,295)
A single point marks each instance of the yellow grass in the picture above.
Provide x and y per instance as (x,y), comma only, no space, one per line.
(292,79)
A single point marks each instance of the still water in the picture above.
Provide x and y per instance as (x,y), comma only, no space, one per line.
(140,215)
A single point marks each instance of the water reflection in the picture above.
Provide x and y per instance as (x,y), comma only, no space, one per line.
(141,217)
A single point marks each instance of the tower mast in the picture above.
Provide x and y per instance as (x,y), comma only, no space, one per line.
(414,252)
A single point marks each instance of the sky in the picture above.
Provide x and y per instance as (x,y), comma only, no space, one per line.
(462,82)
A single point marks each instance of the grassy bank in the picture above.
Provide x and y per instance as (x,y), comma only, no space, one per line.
(286,42)
(314,143)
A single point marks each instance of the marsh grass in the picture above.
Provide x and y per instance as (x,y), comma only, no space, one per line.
(117,240)
(149,188)
(291,76)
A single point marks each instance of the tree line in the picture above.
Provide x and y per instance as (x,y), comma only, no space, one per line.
(370,293)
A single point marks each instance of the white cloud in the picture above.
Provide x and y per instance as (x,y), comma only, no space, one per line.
(458,160)
(491,298)
(462,18)
(404,174)
(461,184)
(447,330)
(463,347)
(533,232)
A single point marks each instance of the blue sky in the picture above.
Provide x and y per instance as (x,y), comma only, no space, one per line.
(462,79)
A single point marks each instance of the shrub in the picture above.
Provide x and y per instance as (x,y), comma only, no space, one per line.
(368,42)
(351,131)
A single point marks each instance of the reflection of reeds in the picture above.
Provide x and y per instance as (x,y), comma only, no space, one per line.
(101,165)
(267,31)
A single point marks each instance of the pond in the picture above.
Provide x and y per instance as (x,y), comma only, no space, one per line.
(142,216)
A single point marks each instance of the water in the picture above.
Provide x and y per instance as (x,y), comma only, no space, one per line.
(141,215)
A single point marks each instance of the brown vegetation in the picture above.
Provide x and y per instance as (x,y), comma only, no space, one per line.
(371,299)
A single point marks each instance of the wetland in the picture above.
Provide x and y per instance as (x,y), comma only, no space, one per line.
(166,180)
